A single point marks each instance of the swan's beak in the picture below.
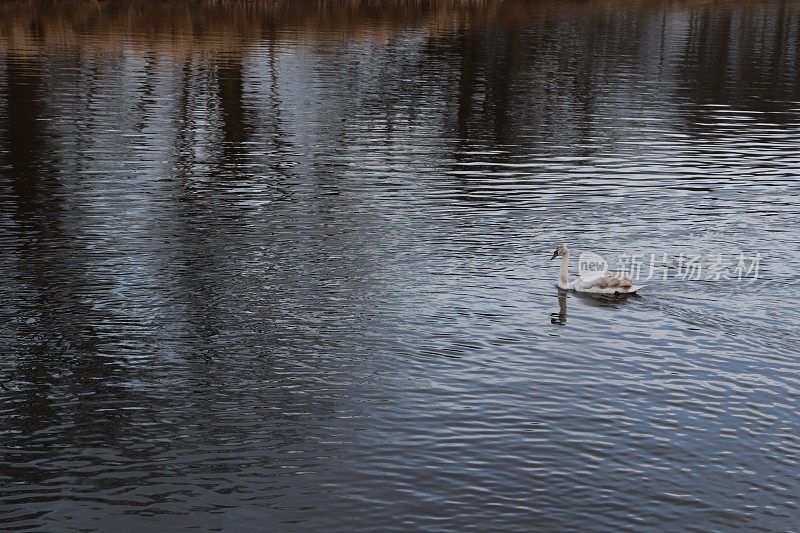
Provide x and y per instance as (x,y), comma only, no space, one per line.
(555,254)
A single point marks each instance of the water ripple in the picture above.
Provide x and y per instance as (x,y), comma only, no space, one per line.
(287,266)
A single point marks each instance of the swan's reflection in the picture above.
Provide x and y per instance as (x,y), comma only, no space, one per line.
(593,300)
(560,318)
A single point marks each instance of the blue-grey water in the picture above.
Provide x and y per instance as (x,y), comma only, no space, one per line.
(285,266)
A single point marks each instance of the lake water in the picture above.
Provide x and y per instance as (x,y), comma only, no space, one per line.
(286,266)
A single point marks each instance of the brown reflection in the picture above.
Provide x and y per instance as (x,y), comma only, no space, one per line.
(54,358)
(231,95)
(230,26)
(24,99)
(218,26)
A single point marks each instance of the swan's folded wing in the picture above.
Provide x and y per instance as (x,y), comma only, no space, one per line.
(604,280)
(611,281)
(591,279)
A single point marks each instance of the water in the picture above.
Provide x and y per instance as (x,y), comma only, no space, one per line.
(286,265)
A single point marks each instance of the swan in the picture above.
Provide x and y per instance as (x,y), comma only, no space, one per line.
(598,283)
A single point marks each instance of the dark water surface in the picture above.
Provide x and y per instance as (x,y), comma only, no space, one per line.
(285,265)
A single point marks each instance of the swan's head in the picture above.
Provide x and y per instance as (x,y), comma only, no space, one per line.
(561,250)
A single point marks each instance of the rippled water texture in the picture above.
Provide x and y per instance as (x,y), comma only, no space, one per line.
(286,265)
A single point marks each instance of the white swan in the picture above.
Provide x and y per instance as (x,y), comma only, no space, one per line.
(598,283)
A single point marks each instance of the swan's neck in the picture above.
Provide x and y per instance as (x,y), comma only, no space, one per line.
(563,275)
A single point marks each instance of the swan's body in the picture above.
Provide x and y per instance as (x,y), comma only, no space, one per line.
(596,282)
